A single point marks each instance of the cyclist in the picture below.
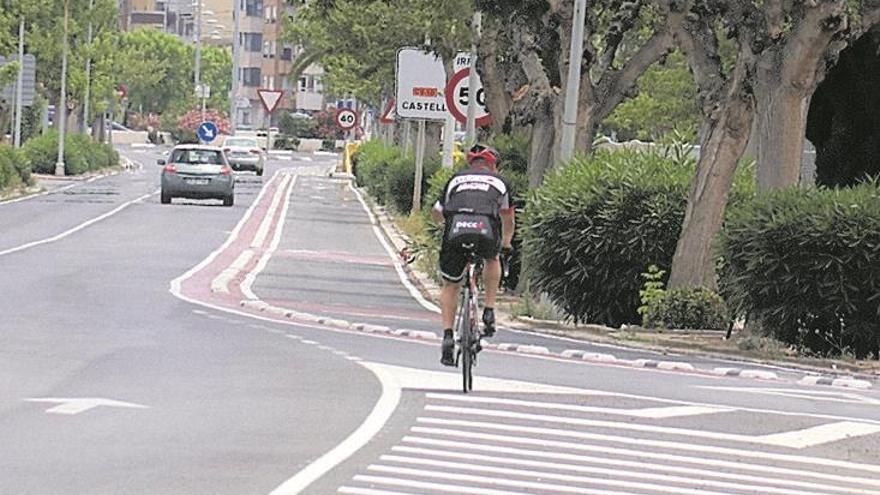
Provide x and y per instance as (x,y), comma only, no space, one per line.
(478,216)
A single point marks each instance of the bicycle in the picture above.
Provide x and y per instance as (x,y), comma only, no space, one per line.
(467,323)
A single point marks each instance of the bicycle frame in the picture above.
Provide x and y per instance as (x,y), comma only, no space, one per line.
(468,333)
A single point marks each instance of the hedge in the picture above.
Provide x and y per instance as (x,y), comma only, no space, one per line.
(14,169)
(389,175)
(804,266)
(596,225)
(81,154)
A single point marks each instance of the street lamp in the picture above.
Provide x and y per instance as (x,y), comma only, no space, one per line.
(61,110)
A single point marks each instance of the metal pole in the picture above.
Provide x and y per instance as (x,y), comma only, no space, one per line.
(449,142)
(233,97)
(85,122)
(472,81)
(569,118)
(407,129)
(420,165)
(19,87)
(61,111)
(198,67)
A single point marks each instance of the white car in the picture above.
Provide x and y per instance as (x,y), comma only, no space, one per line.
(244,153)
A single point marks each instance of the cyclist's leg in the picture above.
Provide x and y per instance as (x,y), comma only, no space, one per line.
(452,269)
(491,281)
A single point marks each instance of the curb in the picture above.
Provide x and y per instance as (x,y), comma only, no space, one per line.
(836,382)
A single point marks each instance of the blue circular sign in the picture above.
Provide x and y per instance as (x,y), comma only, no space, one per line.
(208,131)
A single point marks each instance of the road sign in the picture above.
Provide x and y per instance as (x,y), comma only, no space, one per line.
(29,79)
(203,91)
(208,131)
(243,102)
(270,98)
(457,99)
(421,79)
(346,119)
(389,116)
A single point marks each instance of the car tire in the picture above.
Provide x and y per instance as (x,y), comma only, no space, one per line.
(165,199)
(229,200)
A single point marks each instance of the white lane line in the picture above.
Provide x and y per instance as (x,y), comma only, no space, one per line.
(504,482)
(221,283)
(79,227)
(398,267)
(263,231)
(644,442)
(369,491)
(175,286)
(248,283)
(782,439)
(444,487)
(817,435)
(651,412)
(309,342)
(504,453)
(614,474)
(371,427)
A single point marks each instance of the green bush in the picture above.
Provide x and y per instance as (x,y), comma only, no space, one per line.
(81,154)
(285,142)
(299,126)
(687,308)
(14,169)
(804,266)
(389,175)
(597,224)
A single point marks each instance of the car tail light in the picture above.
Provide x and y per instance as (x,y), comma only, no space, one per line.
(225,170)
(227,150)
(256,151)
(170,168)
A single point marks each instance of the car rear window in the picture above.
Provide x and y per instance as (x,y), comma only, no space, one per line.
(197,157)
(244,143)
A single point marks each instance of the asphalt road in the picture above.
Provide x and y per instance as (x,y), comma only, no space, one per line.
(112,383)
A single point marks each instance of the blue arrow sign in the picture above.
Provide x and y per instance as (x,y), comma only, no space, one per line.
(208,131)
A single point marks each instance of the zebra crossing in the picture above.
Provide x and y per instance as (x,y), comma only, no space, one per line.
(514,444)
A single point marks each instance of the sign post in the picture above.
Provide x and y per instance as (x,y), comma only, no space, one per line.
(270,98)
(421,79)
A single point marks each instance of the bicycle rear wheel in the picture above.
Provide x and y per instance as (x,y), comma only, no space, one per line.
(467,356)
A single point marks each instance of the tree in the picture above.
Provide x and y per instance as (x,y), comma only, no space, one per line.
(762,33)
(523,58)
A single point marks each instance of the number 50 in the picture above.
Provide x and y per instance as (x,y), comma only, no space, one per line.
(464,92)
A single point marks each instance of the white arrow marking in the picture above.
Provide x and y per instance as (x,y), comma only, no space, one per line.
(208,132)
(76,406)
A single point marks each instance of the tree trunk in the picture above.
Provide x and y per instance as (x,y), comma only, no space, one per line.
(542,139)
(781,126)
(693,264)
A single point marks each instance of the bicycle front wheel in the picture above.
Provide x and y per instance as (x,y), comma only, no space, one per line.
(467,356)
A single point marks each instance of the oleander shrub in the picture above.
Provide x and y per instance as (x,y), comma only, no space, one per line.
(81,154)
(14,169)
(687,308)
(804,266)
(596,225)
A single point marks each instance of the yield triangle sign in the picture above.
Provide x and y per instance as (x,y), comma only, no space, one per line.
(270,98)
(389,115)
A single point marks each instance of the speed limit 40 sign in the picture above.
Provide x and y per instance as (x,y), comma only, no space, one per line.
(457,95)
(346,119)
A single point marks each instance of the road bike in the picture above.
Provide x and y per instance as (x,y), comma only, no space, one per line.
(467,324)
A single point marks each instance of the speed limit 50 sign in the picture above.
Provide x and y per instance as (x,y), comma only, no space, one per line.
(346,119)
(457,95)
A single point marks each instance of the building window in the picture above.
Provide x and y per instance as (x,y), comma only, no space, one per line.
(303,84)
(287,53)
(273,49)
(250,76)
(253,8)
(252,42)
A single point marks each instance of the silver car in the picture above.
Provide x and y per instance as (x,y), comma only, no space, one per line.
(197,172)
(244,153)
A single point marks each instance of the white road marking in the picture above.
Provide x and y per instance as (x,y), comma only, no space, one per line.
(443,487)
(398,267)
(248,283)
(615,475)
(808,394)
(76,406)
(77,228)
(643,442)
(221,283)
(269,219)
(199,312)
(818,435)
(368,491)
(504,452)
(651,412)
(175,286)
(309,342)
(795,439)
